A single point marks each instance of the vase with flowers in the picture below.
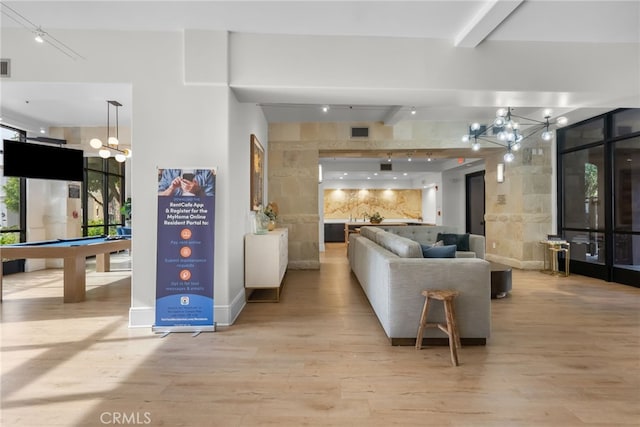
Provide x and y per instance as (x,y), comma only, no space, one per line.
(271,211)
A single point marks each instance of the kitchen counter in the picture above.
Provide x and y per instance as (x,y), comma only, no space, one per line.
(360,221)
(337,230)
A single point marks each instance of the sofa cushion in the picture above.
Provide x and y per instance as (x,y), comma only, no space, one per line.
(423,234)
(446,251)
(401,246)
(370,232)
(465,254)
(460,240)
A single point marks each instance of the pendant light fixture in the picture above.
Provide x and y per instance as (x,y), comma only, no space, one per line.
(111,147)
(510,130)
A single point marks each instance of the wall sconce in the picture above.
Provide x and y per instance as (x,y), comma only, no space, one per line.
(500,172)
(319,174)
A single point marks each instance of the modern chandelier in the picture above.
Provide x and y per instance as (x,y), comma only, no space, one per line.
(111,147)
(510,130)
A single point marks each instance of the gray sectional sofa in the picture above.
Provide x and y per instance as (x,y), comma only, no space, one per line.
(392,272)
(427,234)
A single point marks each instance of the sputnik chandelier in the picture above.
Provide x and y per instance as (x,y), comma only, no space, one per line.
(108,149)
(508,132)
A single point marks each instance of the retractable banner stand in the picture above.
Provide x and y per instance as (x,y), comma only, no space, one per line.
(185,252)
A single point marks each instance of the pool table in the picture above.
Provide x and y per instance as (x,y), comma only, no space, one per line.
(74,252)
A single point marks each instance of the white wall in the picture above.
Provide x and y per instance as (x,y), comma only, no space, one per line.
(245,119)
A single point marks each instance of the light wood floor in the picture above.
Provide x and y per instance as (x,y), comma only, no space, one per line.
(563,352)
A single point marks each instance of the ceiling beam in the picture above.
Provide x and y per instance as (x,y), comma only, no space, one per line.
(490,16)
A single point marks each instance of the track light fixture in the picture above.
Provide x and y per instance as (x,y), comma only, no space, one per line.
(508,132)
(108,149)
(39,35)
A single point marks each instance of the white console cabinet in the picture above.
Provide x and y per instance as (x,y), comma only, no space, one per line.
(265,262)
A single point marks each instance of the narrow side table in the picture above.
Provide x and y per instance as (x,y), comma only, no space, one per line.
(501,282)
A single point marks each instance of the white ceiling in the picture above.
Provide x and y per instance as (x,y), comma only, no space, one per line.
(465,24)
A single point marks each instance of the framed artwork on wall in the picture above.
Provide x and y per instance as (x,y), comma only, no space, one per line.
(257,174)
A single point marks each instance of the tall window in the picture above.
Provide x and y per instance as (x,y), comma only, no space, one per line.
(103,196)
(12,197)
(599,195)
(13,212)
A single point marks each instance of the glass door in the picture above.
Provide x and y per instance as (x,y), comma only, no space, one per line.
(626,210)
(599,195)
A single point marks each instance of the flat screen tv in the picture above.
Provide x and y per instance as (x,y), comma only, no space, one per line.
(27,160)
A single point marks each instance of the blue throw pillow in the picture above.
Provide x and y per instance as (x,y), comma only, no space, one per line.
(460,240)
(446,251)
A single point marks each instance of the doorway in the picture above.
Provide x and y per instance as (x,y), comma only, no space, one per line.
(474,190)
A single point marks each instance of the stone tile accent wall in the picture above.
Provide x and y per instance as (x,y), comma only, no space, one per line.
(293,184)
(518,211)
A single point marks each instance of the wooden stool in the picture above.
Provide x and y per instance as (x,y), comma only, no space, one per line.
(449,328)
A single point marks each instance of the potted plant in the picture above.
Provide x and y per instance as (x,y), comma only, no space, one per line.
(376,218)
(125,210)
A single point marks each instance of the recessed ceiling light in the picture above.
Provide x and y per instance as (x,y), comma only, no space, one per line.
(405,174)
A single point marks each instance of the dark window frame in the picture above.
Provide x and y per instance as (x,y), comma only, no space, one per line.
(608,271)
(107,172)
